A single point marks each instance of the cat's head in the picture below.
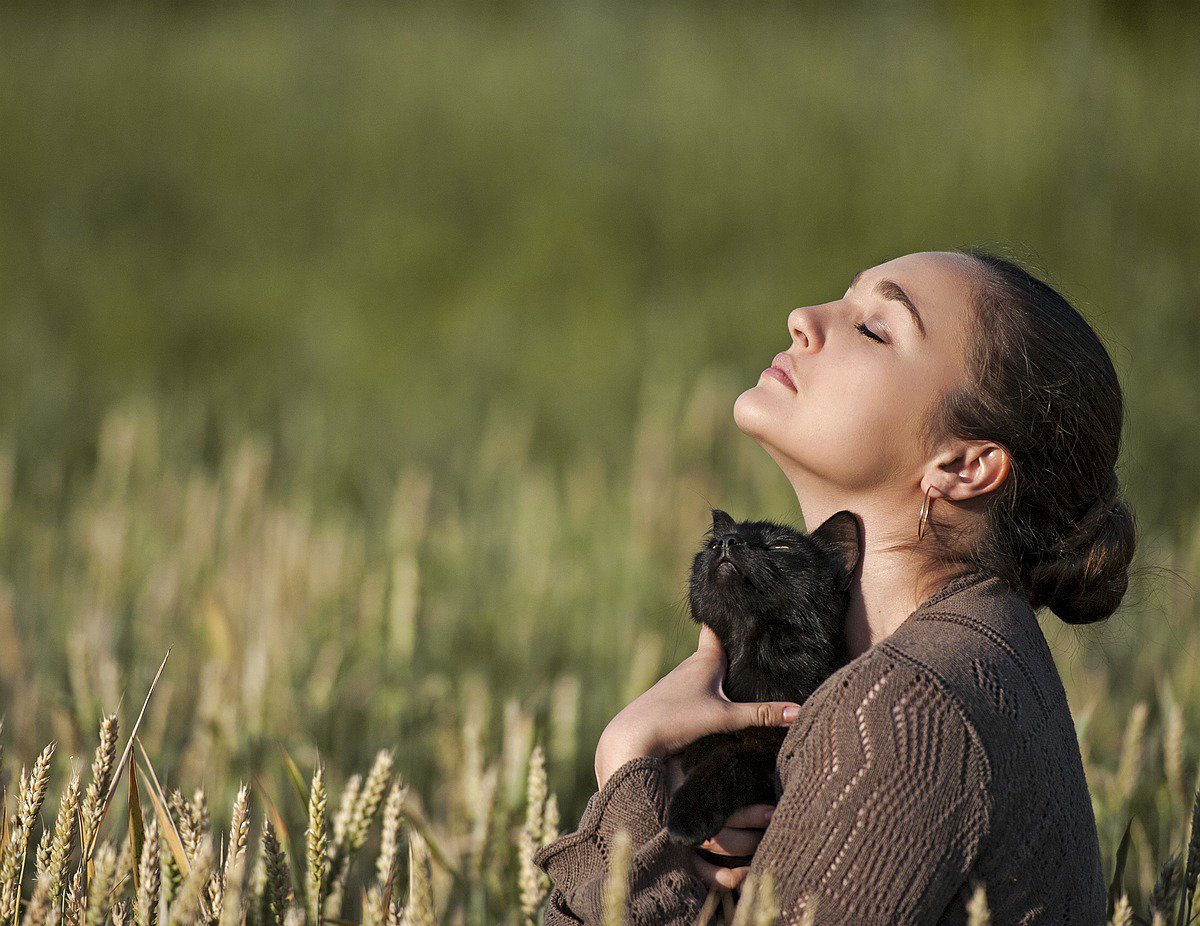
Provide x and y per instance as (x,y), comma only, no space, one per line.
(750,572)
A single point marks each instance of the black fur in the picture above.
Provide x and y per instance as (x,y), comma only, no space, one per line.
(776,599)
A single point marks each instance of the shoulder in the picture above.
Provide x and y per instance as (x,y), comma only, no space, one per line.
(985,650)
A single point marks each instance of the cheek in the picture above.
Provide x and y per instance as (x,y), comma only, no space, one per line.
(854,432)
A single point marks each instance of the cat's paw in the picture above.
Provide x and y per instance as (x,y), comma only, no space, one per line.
(690,823)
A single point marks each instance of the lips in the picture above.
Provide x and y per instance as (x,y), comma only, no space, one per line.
(781,369)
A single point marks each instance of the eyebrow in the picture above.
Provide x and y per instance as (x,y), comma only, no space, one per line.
(890,289)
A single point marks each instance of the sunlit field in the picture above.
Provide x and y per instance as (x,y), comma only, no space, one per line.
(379,364)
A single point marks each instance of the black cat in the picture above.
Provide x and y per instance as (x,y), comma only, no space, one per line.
(776,599)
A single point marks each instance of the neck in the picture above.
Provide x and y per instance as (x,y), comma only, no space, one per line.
(887,586)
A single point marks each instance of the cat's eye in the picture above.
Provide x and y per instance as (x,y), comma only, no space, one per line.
(781,546)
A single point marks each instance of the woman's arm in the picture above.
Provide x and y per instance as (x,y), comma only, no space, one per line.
(663,889)
(666,885)
(884,808)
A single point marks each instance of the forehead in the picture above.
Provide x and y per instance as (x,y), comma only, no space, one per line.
(939,284)
(939,281)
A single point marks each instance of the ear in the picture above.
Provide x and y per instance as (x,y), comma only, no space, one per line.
(841,532)
(966,470)
(722,523)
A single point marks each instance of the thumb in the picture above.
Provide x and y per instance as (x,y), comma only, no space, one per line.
(710,642)
(762,713)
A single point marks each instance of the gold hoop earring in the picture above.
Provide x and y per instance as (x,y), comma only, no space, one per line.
(925,506)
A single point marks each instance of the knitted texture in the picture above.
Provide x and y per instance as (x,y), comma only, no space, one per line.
(943,757)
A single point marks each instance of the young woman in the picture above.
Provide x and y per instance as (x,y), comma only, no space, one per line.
(971,418)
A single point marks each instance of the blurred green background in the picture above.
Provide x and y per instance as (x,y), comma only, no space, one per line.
(380,220)
(381,357)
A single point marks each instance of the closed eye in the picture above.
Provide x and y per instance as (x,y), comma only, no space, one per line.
(869,333)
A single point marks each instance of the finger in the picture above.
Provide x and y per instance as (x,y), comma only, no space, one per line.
(762,714)
(725,879)
(730,841)
(750,816)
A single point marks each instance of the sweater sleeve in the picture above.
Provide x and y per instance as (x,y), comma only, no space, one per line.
(884,808)
(662,886)
(885,801)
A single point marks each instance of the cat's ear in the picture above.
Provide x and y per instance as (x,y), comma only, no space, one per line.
(722,523)
(841,532)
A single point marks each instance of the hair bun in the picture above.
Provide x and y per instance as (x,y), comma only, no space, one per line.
(1084,577)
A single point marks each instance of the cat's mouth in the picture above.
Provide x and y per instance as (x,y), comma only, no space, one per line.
(726,567)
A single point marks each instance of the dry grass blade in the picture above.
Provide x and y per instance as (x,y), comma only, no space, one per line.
(1115,889)
(125,756)
(165,822)
(137,830)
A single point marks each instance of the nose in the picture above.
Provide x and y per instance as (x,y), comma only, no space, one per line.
(727,541)
(805,328)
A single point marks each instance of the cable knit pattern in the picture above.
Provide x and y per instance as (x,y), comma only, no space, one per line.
(942,757)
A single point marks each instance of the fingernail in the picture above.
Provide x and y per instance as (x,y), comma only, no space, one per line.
(770,812)
(790,714)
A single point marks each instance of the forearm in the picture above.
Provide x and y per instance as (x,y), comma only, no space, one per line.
(663,888)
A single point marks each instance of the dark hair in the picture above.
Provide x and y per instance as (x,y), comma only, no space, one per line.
(1042,385)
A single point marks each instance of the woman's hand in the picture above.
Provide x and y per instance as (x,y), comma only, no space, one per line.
(684,705)
(738,838)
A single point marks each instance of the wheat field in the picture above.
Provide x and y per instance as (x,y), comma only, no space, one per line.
(376,361)
(303,644)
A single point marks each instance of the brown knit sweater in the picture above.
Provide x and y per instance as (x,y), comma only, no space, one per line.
(943,756)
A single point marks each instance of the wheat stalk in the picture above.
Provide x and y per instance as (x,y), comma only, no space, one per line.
(1166,888)
(389,841)
(1122,912)
(101,779)
(30,798)
(104,870)
(317,843)
(279,876)
(188,908)
(616,888)
(418,911)
(149,878)
(978,913)
(1129,769)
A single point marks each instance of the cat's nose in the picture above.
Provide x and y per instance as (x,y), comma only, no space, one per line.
(729,541)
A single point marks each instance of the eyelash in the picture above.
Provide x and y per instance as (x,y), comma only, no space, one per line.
(869,333)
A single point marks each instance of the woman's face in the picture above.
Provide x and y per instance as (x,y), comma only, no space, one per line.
(863,373)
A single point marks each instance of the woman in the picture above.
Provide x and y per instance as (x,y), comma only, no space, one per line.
(971,418)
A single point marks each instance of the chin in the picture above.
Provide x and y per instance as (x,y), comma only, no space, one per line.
(755,414)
